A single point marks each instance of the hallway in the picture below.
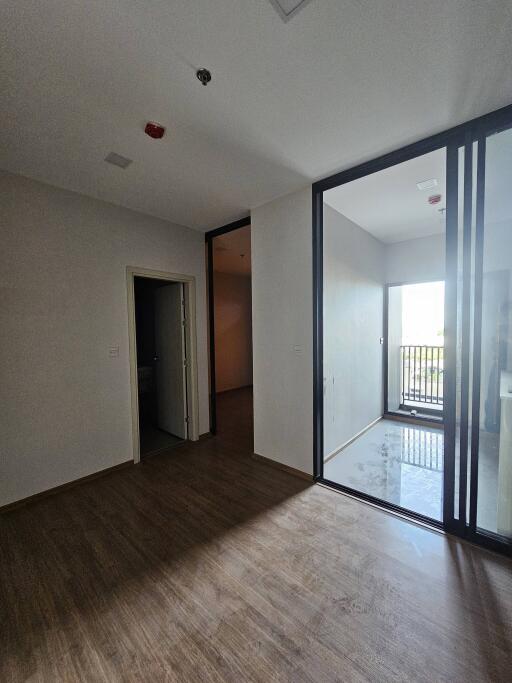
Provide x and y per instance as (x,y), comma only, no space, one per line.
(235,418)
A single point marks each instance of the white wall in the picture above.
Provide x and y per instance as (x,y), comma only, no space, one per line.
(416,260)
(64,404)
(282,330)
(282,320)
(233,331)
(353,327)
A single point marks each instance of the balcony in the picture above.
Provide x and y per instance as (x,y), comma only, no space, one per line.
(421,377)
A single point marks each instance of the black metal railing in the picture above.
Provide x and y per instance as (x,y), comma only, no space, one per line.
(422,369)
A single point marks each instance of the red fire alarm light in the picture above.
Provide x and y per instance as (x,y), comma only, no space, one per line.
(154,130)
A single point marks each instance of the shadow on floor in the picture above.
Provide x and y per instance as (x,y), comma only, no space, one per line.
(92,549)
(205,564)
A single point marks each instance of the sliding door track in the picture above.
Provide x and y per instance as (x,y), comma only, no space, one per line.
(399,511)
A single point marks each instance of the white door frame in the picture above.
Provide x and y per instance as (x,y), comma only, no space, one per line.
(189,288)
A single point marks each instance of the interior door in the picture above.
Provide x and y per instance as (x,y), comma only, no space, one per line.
(170,366)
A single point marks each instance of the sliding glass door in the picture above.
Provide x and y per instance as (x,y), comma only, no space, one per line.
(413,398)
(383,319)
(491,452)
(478,447)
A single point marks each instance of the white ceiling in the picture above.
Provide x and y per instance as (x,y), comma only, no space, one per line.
(388,205)
(232,252)
(341,82)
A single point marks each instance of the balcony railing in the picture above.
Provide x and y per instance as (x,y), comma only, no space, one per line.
(421,378)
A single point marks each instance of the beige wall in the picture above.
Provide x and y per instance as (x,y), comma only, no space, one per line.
(353,310)
(233,331)
(416,260)
(282,318)
(64,403)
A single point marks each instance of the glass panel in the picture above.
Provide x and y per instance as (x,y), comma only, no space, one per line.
(416,348)
(494,506)
(386,232)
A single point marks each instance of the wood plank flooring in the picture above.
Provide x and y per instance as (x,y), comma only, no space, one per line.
(203,564)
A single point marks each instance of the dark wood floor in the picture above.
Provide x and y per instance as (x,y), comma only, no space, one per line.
(235,424)
(205,565)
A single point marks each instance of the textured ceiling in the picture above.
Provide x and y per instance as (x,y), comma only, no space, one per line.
(289,102)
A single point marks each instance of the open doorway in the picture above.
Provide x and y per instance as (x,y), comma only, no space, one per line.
(229,263)
(161,357)
(414,316)
(163,360)
(383,335)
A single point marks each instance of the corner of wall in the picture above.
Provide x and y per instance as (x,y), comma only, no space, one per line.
(281,234)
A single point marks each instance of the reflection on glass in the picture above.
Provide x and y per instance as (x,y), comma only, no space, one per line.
(494,509)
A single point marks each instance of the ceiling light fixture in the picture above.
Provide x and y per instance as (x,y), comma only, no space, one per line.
(288,8)
(117,160)
(427,184)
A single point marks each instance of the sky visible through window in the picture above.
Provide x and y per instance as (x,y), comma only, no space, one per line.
(423,314)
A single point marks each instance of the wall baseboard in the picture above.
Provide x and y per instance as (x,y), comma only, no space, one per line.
(62,487)
(347,443)
(226,391)
(284,468)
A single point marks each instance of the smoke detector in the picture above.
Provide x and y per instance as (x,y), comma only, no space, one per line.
(154,130)
(118,160)
(288,8)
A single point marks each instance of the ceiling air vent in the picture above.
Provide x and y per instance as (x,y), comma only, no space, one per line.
(117,160)
(427,184)
(288,8)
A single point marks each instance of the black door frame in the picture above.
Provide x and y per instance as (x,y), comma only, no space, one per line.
(461,136)
(209,237)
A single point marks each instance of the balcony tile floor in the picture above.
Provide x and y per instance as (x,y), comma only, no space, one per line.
(402,464)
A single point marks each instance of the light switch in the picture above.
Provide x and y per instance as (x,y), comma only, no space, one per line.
(297,348)
(113,351)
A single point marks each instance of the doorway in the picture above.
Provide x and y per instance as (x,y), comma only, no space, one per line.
(163,360)
(230,329)
(414,350)
(438,447)
(381,339)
